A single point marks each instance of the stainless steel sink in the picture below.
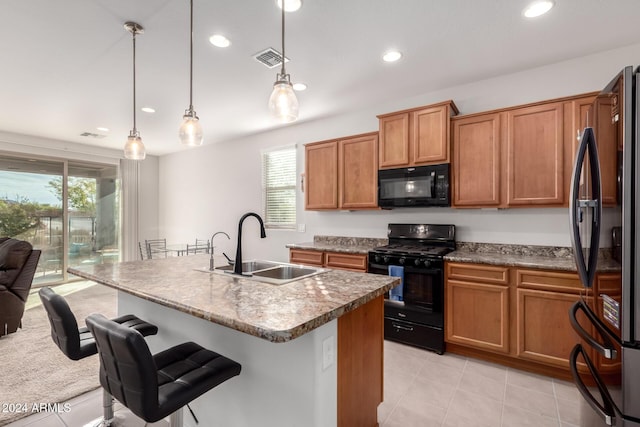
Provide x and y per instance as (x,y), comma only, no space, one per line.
(286,272)
(251,266)
(275,273)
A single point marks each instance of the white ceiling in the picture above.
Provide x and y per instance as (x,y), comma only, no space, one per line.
(67,64)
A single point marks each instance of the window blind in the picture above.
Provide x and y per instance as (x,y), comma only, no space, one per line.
(279,187)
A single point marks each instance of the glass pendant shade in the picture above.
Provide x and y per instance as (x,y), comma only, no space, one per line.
(134,148)
(190,133)
(283,103)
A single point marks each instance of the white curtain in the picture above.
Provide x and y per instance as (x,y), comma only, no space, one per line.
(130,181)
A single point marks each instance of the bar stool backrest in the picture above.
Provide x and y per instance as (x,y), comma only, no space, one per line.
(64,327)
(127,369)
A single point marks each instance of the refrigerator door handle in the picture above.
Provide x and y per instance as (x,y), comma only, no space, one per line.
(577,205)
(605,410)
(607,349)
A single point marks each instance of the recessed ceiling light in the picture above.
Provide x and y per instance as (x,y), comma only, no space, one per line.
(148,109)
(392,56)
(537,8)
(290,5)
(101,129)
(219,40)
(299,86)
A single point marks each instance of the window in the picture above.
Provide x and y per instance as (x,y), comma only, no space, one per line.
(67,209)
(279,187)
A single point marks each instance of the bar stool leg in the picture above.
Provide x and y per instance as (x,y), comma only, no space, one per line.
(107,408)
(175,420)
(107,418)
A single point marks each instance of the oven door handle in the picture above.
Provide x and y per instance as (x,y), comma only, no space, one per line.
(408,269)
(605,410)
(607,349)
(400,327)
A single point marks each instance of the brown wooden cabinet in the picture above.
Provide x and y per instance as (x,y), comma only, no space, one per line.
(477,150)
(335,260)
(610,285)
(516,316)
(520,156)
(535,155)
(416,137)
(358,172)
(607,140)
(575,119)
(302,256)
(342,173)
(477,306)
(321,175)
(544,299)
(360,364)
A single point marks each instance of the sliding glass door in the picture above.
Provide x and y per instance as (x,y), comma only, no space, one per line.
(68,209)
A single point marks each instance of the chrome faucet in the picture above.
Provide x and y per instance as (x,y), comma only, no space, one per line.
(237,266)
(211,259)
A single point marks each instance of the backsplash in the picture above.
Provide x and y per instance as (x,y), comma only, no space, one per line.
(506,249)
(350,241)
(528,250)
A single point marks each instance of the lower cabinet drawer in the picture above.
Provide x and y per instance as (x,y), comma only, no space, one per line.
(344,261)
(429,337)
(298,256)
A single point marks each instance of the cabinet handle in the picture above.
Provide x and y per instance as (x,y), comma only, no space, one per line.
(401,314)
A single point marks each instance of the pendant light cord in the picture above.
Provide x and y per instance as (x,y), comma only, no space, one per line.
(134,32)
(191,62)
(282,71)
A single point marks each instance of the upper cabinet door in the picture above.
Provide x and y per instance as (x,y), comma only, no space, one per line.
(476,161)
(607,141)
(358,172)
(535,162)
(321,171)
(394,137)
(430,135)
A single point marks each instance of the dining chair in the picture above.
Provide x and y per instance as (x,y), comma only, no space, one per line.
(202,246)
(156,247)
(143,254)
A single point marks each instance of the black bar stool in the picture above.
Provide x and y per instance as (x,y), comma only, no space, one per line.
(155,386)
(78,343)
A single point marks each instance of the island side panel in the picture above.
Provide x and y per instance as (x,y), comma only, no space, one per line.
(281,384)
(360,364)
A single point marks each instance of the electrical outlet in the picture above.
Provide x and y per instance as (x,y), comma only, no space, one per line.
(302,228)
(328,352)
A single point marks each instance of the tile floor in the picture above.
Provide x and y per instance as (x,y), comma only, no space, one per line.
(422,389)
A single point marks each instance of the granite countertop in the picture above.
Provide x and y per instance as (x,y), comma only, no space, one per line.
(545,257)
(275,313)
(350,245)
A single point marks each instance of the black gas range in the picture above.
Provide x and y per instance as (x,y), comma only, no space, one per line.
(414,312)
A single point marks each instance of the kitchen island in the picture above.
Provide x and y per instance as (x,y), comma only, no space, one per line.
(310,350)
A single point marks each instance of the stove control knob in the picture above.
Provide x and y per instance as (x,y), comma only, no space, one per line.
(417,262)
(427,263)
(402,261)
(378,258)
(385,259)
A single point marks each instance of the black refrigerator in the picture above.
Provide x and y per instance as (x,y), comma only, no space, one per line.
(604,213)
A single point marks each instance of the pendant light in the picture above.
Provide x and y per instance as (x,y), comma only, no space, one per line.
(191,130)
(283,102)
(134,148)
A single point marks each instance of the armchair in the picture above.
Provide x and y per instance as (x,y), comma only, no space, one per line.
(18,262)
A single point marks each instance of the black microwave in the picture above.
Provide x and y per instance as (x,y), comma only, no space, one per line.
(414,187)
